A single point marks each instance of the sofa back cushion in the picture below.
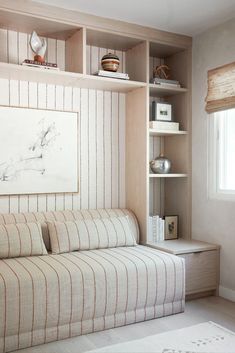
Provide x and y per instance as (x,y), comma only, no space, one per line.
(21,239)
(68,215)
(90,234)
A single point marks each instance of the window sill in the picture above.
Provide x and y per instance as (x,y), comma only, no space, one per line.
(222,196)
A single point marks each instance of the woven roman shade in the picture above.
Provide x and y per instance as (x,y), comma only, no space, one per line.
(221,88)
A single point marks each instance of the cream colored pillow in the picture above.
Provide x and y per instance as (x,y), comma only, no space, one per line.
(90,234)
(21,239)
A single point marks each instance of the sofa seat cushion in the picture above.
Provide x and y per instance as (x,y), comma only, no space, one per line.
(89,234)
(53,297)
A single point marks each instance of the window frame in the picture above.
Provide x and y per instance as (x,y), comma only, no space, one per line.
(215,192)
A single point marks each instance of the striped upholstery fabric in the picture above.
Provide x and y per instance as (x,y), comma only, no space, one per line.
(67,215)
(21,239)
(47,298)
(89,234)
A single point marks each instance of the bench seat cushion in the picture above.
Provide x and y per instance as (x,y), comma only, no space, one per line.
(46,298)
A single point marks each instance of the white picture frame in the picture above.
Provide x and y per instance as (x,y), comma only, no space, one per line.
(163,112)
(171,227)
(38,151)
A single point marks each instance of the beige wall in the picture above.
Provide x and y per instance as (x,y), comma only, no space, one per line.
(212,220)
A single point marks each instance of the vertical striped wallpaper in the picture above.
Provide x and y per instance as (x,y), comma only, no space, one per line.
(101,134)
(153,62)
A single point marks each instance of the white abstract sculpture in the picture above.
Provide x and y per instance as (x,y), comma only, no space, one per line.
(38,46)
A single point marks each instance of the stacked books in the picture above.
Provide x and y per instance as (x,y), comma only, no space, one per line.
(164,125)
(156,229)
(45,65)
(163,82)
(120,75)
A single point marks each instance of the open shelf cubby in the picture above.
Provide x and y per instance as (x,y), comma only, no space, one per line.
(130,50)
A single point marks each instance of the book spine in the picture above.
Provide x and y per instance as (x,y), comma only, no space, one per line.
(155,228)
(163,229)
(158,229)
(154,113)
(172,85)
(38,63)
(150,231)
(112,74)
(165,81)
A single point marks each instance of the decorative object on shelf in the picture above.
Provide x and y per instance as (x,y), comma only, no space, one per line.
(164,125)
(162,71)
(120,75)
(38,46)
(161,111)
(39,151)
(110,62)
(160,165)
(161,77)
(171,227)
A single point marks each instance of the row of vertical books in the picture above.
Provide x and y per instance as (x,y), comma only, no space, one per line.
(156,229)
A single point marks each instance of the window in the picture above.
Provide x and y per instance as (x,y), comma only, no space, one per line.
(222,155)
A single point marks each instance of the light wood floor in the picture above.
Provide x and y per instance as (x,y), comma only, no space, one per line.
(201,310)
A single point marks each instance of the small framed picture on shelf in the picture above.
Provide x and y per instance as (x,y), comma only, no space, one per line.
(161,111)
(171,227)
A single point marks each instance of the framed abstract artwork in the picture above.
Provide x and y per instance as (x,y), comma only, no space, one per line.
(38,151)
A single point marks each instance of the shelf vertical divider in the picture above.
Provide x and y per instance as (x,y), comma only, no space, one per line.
(137,115)
(75,52)
(136,62)
(136,157)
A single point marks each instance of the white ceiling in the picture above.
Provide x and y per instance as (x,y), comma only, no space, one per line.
(188,17)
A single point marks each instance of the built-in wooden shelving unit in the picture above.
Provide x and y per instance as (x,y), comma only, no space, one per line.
(142,48)
(170,194)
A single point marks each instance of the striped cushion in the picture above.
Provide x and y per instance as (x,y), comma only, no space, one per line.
(90,234)
(21,239)
(53,297)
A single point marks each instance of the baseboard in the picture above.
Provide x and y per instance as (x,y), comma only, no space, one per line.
(227,293)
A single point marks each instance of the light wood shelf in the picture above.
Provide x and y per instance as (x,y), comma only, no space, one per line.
(169,175)
(158,133)
(66,78)
(161,91)
(182,246)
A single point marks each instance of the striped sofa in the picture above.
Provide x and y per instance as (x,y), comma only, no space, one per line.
(53,297)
